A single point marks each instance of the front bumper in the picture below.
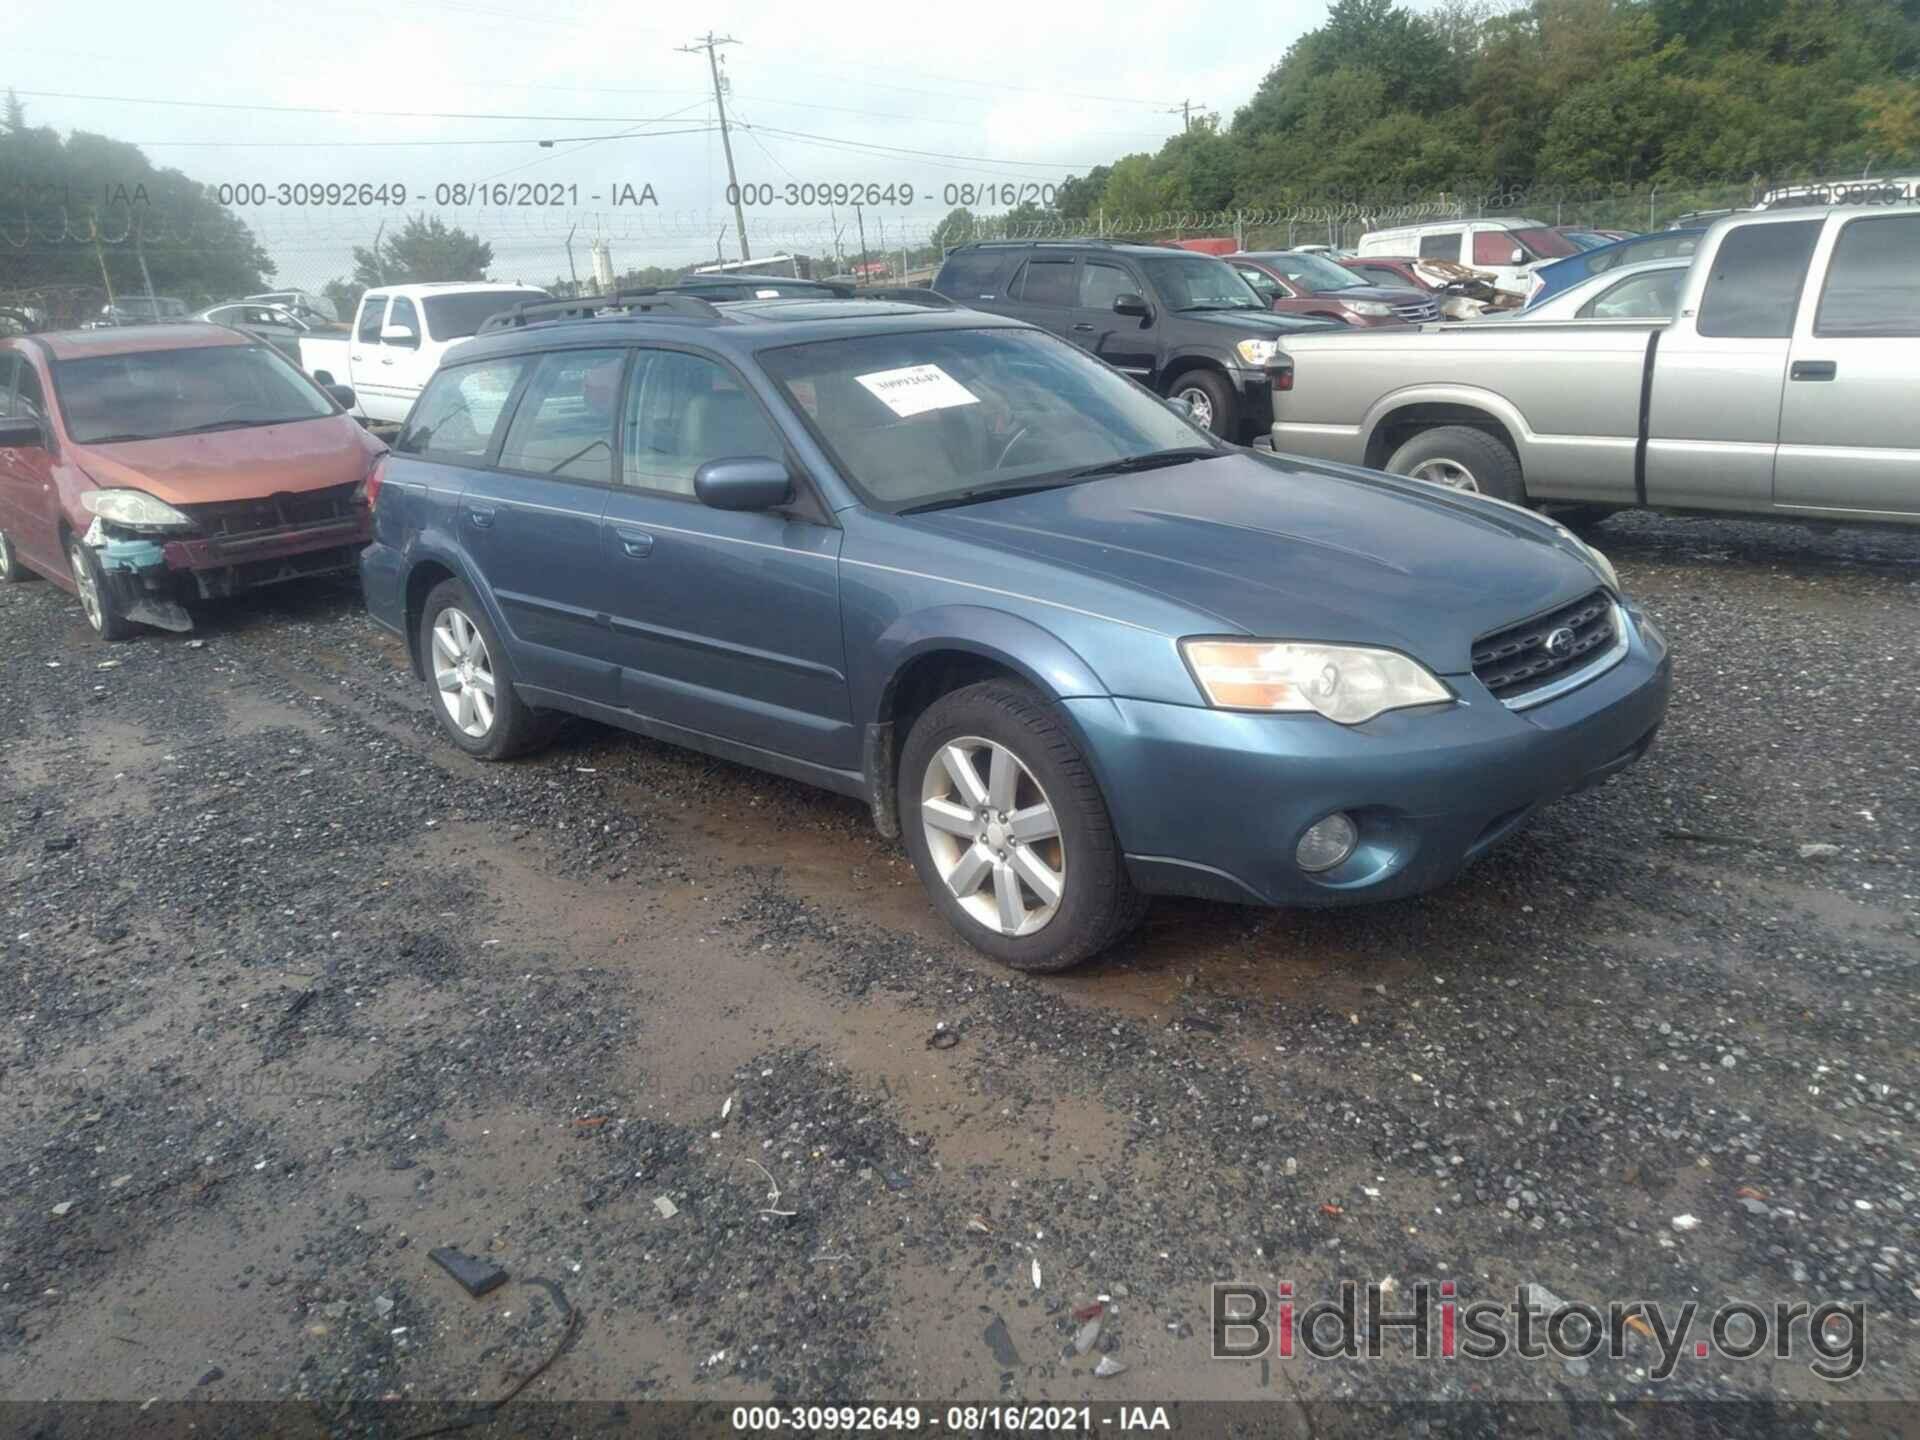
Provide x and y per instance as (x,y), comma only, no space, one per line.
(1211,803)
(1255,390)
(144,573)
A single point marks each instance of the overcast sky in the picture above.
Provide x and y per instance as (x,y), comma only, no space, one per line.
(1027,93)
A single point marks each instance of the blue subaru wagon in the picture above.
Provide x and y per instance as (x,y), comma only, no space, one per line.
(1070,646)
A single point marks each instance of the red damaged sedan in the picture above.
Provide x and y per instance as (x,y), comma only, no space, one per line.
(143,467)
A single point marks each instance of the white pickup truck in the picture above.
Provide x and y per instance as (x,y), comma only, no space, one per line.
(398,338)
(1787,384)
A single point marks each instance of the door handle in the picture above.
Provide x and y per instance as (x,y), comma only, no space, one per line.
(1813,370)
(386,360)
(637,543)
(481,516)
(1085,327)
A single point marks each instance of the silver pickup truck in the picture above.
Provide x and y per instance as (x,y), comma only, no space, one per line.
(1788,383)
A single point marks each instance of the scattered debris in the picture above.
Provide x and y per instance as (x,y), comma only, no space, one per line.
(943,1038)
(1036,1272)
(591,1122)
(1001,1343)
(216,1373)
(1109,1366)
(1088,1335)
(1685,1222)
(727,1108)
(773,1192)
(1819,850)
(1329,1208)
(1088,1312)
(477,1277)
(1639,1327)
(382,1306)
(979,1225)
(665,1207)
(61,1210)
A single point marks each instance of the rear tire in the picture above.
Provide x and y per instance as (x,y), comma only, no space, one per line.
(472,681)
(1462,458)
(1028,868)
(1211,397)
(12,572)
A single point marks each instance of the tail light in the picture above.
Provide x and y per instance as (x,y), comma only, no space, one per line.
(370,487)
(1281,374)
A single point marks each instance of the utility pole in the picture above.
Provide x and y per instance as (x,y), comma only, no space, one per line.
(575,274)
(710,43)
(1185,111)
(861,277)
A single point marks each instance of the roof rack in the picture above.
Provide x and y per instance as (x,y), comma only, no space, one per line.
(908,295)
(584,307)
(1083,240)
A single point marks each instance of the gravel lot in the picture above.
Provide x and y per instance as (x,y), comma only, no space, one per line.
(294,993)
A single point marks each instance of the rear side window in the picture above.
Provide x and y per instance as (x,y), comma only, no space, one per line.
(372,309)
(968,274)
(1873,280)
(1754,286)
(563,424)
(461,408)
(1443,246)
(1048,282)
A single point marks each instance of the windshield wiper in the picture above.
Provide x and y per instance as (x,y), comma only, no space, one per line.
(1152,460)
(986,492)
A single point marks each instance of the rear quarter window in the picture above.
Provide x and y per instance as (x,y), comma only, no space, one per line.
(969,274)
(459,413)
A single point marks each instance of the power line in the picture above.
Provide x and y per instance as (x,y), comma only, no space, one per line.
(329,110)
(930,154)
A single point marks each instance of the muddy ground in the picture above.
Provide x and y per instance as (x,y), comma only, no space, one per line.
(292,993)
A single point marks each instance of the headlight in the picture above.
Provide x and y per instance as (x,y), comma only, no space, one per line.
(1600,563)
(1369,307)
(134,508)
(1258,352)
(1345,683)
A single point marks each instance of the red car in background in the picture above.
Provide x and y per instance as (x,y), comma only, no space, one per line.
(143,466)
(1295,283)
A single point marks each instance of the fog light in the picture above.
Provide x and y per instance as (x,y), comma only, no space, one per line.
(1327,844)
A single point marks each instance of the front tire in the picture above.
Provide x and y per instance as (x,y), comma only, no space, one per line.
(96,596)
(473,695)
(1462,458)
(1009,831)
(1210,398)
(12,572)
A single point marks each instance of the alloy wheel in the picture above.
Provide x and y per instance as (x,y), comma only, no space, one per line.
(83,582)
(1200,403)
(993,836)
(1450,473)
(463,672)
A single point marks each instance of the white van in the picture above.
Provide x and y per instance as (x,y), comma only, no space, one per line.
(1505,249)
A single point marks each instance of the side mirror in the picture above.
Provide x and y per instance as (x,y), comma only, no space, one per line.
(342,395)
(1131,304)
(1181,407)
(398,335)
(748,482)
(22,433)
(1519,256)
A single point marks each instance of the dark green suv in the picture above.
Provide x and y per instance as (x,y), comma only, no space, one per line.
(1182,324)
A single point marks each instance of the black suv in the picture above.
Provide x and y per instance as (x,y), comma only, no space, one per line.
(1182,324)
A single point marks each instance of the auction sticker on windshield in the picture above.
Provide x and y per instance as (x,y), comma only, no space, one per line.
(915,389)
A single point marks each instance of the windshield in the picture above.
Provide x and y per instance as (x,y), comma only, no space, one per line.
(926,417)
(1315,273)
(1200,282)
(454,317)
(151,393)
(1546,244)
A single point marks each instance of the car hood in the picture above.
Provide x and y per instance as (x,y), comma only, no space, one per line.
(1390,294)
(1284,552)
(1259,322)
(247,464)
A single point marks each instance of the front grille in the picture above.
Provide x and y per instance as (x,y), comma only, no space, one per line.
(1418,313)
(1515,662)
(227,518)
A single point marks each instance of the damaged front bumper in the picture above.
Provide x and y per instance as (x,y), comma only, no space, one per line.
(146,573)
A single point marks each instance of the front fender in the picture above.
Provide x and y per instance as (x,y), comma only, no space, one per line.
(1039,656)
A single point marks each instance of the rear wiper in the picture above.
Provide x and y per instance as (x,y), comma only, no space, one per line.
(986,492)
(1152,460)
